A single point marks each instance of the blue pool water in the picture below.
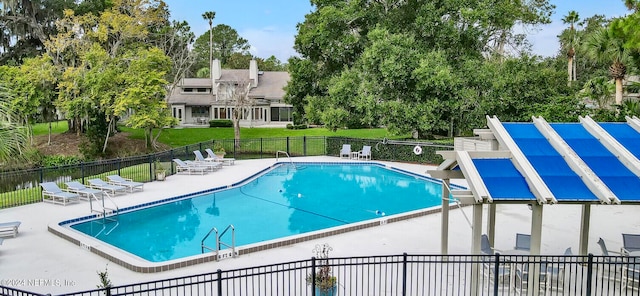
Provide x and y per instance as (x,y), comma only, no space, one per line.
(282,202)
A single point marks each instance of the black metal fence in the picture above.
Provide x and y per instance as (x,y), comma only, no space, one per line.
(23,187)
(406,275)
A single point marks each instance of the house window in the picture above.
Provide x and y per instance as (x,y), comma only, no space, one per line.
(203,90)
(188,89)
(281,114)
(200,111)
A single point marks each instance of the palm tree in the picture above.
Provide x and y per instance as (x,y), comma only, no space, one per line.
(210,15)
(13,136)
(604,46)
(571,18)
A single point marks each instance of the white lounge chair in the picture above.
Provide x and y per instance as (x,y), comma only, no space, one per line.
(345,151)
(9,228)
(84,191)
(214,157)
(200,160)
(117,180)
(104,186)
(53,194)
(182,166)
(365,153)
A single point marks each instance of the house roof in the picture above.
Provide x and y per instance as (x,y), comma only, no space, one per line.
(270,85)
(195,82)
(230,75)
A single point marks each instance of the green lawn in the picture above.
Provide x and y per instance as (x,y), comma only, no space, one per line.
(57,127)
(186,136)
(178,137)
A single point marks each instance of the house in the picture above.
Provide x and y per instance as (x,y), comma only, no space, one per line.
(198,100)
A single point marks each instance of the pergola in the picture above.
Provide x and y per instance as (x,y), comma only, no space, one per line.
(540,163)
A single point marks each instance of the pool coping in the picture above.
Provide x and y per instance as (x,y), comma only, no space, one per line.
(137,264)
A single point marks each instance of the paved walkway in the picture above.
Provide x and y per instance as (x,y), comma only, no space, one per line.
(40,261)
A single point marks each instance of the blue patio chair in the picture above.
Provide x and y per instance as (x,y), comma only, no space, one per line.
(365,153)
(611,262)
(504,268)
(9,228)
(223,160)
(53,194)
(104,186)
(523,242)
(345,151)
(129,183)
(83,191)
(630,243)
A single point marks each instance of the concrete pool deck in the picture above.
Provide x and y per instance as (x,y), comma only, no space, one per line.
(39,261)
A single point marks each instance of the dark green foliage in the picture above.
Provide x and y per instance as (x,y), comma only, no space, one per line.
(220,123)
(390,152)
(296,126)
(91,146)
(59,160)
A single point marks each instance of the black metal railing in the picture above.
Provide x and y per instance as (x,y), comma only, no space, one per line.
(23,186)
(406,275)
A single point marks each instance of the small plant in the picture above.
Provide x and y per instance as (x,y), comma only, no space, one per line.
(218,148)
(105,282)
(159,168)
(324,280)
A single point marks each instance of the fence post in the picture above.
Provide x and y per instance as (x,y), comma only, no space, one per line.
(261,152)
(219,272)
(496,272)
(171,161)
(151,168)
(589,274)
(119,165)
(288,146)
(82,171)
(404,274)
(313,276)
(304,145)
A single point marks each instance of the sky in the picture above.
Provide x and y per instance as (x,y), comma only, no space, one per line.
(270,25)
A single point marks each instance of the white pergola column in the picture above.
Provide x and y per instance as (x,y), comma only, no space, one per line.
(491,224)
(584,229)
(444,239)
(536,241)
(476,233)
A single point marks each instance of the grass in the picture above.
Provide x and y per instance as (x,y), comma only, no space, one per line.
(186,136)
(57,127)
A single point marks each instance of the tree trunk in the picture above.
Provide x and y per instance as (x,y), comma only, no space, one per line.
(618,91)
(106,139)
(236,127)
(570,69)
(49,141)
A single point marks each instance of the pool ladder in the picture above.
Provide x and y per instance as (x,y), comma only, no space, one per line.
(109,215)
(285,153)
(219,243)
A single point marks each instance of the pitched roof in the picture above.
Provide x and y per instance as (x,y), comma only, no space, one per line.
(270,85)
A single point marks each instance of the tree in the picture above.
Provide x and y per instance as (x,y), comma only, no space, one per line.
(605,46)
(13,136)
(237,93)
(210,15)
(226,41)
(571,18)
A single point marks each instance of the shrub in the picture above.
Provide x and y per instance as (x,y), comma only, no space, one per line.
(59,160)
(220,123)
(296,126)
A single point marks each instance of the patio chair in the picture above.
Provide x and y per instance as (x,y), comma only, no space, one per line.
(630,243)
(523,242)
(181,166)
(129,183)
(9,228)
(504,269)
(214,157)
(611,263)
(210,164)
(365,153)
(53,194)
(345,151)
(83,191)
(104,186)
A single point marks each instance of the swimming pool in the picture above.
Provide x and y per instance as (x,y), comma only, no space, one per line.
(285,200)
